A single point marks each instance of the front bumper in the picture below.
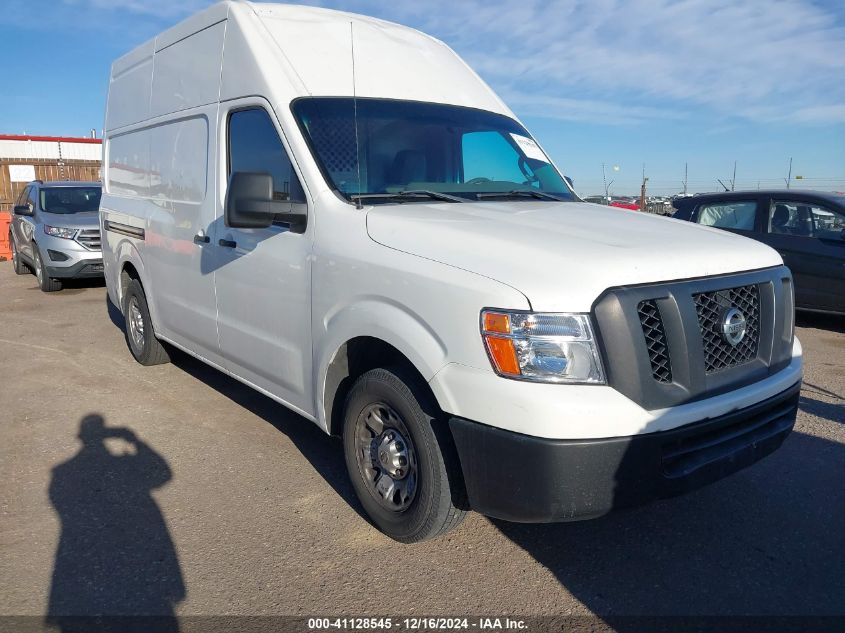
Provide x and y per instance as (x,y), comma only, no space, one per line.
(537,480)
(85,268)
(67,258)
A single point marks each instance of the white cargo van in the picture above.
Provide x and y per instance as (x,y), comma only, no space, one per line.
(338,212)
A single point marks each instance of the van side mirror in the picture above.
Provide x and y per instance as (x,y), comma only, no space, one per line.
(250,204)
(23,209)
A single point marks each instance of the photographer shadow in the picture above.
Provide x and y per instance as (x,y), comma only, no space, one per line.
(115,560)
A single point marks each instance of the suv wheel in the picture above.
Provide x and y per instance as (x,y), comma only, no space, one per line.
(17,264)
(404,474)
(140,336)
(46,283)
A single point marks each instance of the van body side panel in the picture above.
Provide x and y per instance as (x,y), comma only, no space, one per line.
(129,88)
(157,178)
(181,202)
(187,73)
(181,212)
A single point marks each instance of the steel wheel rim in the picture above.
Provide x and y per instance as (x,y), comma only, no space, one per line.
(14,251)
(386,457)
(38,272)
(135,320)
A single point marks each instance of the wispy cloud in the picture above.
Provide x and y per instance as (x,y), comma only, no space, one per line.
(773,58)
(584,110)
(162,9)
(610,61)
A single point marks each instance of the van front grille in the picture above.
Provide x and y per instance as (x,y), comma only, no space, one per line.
(711,307)
(669,343)
(655,340)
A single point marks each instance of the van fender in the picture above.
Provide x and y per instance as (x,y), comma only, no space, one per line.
(127,253)
(379,318)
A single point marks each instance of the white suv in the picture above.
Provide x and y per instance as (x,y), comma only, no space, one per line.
(340,213)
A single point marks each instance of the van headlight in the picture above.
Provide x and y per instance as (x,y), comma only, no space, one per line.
(59,231)
(559,348)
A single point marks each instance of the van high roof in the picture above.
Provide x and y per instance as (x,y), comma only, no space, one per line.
(297,52)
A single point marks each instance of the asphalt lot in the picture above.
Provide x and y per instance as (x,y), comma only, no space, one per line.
(233,505)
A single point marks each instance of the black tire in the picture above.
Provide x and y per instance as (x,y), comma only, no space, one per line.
(46,283)
(143,344)
(17,263)
(438,501)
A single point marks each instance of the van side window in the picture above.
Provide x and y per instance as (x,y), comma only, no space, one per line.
(254,146)
(729,215)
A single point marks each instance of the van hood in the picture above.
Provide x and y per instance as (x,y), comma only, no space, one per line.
(83,220)
(563,255)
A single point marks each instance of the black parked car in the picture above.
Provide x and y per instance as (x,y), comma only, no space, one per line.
(806,227)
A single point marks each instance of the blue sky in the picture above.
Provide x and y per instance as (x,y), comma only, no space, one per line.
(621,82)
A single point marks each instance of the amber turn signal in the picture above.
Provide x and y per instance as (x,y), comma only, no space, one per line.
(497,322)
(503,355)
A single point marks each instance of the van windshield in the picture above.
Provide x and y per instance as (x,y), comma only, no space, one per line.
(67,200)
(411,146)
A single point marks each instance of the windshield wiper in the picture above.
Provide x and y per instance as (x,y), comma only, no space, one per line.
(533,193)
(413,193)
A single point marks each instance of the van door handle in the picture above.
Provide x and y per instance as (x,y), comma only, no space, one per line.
(228,243)
(199,238)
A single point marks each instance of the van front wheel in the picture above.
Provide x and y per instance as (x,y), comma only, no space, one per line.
(405,476)
(140,336)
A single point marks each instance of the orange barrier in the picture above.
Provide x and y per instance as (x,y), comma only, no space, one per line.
(5,247)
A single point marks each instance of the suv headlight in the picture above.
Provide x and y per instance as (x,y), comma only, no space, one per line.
(59,231)
(557,348)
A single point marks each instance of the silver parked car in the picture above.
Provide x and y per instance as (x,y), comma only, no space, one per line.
(55,232)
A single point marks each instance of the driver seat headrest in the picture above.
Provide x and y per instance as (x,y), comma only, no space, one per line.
(781,216)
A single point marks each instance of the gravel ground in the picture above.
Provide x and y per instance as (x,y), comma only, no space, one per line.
(232,505)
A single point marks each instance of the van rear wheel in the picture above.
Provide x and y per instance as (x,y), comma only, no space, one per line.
(140,336)
(399,457)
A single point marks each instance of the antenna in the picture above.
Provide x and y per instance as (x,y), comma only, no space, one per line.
(723,184)
(789,176)
(359,205)
(604,178)
(733,180)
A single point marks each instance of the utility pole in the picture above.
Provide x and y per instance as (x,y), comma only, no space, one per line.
(642,191)
(789,175)
(733,180)
(604,180)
